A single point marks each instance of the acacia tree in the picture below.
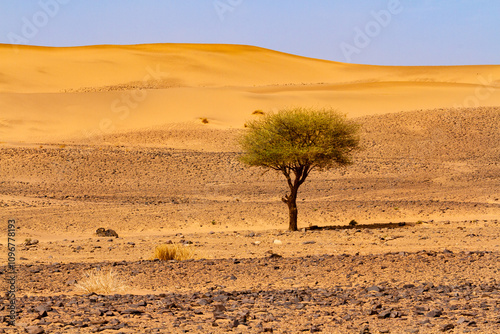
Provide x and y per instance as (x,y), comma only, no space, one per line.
(297,141)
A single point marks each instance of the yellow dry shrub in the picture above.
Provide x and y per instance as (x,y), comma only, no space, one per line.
(173,252)
(101,282)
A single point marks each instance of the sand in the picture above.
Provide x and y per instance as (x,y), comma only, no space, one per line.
(112,136)
(51,94)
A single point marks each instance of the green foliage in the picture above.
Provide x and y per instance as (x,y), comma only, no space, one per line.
(299,137)
(296,141)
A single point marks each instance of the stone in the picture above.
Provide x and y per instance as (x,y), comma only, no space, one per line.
(434,314)
(202,301)
(375,288)
(447,327)
(365,330)
(219,308)
(384,314)
(102,232)
(34,330)
(131,311)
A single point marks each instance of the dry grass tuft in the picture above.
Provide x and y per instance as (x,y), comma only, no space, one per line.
(101,282)
(173,252)
(204,120)
(258,112)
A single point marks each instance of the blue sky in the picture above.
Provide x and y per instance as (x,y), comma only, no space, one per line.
(383,32)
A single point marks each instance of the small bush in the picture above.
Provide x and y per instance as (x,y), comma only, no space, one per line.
(258,112)
(173,252)
(204,120)
(353,223)
(100,282)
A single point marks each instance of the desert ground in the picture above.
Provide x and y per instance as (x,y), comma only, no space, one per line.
(144,140)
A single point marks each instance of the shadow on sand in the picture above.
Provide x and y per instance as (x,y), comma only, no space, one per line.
(358,226)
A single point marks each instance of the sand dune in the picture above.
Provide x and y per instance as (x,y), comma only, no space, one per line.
(53,94)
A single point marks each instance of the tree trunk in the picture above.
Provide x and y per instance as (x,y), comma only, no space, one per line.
(291,201)
(293,212)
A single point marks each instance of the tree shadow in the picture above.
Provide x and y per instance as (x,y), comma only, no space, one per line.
(359,226)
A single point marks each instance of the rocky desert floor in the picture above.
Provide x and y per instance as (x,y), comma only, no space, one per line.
(423,257)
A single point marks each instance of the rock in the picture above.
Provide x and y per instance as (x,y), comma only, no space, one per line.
(202,301)
(41,315)
(34,330)
(434,314)
(412,330)
(31,242)
(102,232)
(395,314)
(385,314)
(277,242)
(96,312)
(365,330)
(310,242)
(374,288)
(234,323)
(43,308)
(71,282)
(131,311)
(447,327)
(219,308)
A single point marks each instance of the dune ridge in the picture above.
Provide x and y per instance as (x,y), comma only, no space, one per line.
(53,94)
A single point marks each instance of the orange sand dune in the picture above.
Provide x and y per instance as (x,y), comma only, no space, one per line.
(53,94)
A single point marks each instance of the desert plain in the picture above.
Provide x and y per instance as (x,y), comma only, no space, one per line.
(144,140)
